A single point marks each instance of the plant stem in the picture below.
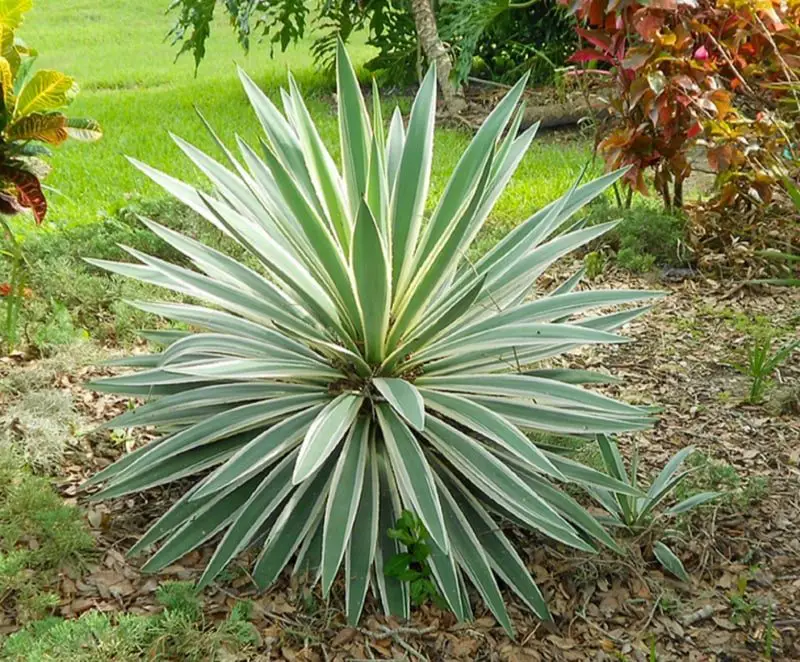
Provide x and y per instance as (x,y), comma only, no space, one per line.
(16,286)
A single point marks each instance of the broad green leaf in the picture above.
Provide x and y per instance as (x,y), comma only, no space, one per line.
(259,508)
(343,502)
(473,559)
(325,433)
(671,563)
(392,592)
(413,179)
(46,90)
(354,130)
(404,398)
(361,548)
(370,265)
(413,473)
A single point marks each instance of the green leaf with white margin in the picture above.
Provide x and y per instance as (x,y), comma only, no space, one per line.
(261,451)
(521,239)
(233,421)
(573,376)
(580,474)
(325,433)
(322,168)
(182,191)
(499,483)
(308,560)
(447,317)
(472,558)
(527,387)
(178,466)
(494,427)
(361,548)
(263,502)
(501,555)
(298,516)
(181,511)
(354,130)
(692,502)
(343,500)
(413,178)
(222,322)
(395,143)
(670,562)
(172,408)
(445,571)
(318,235)
(392,592)
(559,420)
(370,265)
(468,170)
(413,473)
(280,133)
(570,509)
(666,474)
(519,336)
(195,532)
(438,264)
(404,398)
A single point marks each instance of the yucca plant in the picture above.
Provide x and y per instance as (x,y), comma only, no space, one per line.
(638,514)
(364,367)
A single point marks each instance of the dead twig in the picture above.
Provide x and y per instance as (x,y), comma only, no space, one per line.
(701,614)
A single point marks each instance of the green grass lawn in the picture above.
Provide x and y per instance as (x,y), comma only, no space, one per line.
(130,83)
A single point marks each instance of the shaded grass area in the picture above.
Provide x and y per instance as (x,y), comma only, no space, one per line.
(117,52)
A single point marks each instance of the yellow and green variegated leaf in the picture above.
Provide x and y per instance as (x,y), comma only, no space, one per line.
(12,12)
(49,128)
(7,82)
(84,129)
(46,90)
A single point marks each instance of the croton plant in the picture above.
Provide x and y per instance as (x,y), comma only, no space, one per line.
(31,122)
(30,117)
(713,73)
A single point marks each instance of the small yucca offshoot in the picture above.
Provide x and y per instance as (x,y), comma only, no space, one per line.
(367,367)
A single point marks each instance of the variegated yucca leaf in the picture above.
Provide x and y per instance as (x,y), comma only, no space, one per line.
(362,366)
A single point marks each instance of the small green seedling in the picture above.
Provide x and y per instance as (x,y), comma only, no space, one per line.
(412,565)
(595,264)
(638,514)
(761,363)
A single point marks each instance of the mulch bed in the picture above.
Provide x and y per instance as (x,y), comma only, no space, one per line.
(744,599)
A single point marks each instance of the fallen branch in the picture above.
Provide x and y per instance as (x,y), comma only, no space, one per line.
(701,614)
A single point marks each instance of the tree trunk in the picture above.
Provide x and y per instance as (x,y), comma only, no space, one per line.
(435,51)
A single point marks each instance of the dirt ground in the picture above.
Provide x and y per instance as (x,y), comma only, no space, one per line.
(743,552)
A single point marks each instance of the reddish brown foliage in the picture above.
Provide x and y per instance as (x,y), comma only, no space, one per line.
(686,72)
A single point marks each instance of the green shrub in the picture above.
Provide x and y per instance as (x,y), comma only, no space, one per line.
(644,238)
(38,535)
(372,372)
(177,633)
